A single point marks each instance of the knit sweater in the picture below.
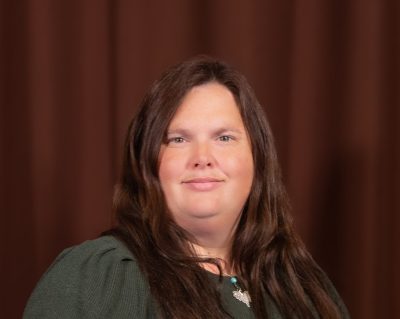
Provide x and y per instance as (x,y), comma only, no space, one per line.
(101,279)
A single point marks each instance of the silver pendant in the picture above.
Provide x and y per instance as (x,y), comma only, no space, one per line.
(242,296)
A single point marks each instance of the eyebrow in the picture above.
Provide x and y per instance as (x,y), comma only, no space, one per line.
(183,131)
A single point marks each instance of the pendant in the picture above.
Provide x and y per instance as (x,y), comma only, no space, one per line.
(242,296)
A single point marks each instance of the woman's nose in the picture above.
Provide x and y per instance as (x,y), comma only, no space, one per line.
(202,156)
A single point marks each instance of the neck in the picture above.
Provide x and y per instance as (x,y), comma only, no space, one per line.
(213,238)
(219,250)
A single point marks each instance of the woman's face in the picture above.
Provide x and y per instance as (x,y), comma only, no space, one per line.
(206,164)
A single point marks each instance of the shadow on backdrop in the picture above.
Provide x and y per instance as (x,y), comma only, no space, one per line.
(327,74)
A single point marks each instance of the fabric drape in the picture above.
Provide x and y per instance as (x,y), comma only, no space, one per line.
(327,73)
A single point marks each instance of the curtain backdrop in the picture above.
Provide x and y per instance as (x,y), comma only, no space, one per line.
(327,72)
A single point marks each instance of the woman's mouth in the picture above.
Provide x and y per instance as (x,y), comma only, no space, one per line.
(203,183)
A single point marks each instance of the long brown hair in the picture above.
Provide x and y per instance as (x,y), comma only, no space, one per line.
(268,256)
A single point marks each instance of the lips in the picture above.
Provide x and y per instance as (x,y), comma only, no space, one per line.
(202,183)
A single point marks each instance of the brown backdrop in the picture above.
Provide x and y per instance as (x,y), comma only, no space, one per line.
(327,72)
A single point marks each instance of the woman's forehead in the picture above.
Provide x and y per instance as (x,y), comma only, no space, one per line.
(208,103)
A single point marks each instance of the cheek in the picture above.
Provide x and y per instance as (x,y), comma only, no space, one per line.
(165,172)
(240,166)
(170,168)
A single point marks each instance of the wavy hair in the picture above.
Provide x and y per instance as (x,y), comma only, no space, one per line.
(268,256)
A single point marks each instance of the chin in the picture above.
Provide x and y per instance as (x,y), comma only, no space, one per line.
(202,213)
(201,207)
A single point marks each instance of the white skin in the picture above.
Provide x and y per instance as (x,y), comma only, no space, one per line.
(206,169)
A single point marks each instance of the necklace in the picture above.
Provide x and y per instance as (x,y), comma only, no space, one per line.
(240,295)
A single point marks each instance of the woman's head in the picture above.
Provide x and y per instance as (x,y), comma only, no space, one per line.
(197,79)
(265,252)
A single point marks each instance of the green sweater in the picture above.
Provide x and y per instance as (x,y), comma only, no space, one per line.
(101,279)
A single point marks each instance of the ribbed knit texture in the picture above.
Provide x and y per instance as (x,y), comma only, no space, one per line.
(97,279)
(101,279)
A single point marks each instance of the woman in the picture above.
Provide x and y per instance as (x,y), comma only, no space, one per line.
(203,229)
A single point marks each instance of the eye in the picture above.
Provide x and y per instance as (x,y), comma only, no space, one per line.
(176,140)
(225,138)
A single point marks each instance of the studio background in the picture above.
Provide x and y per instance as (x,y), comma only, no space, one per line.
(327,72)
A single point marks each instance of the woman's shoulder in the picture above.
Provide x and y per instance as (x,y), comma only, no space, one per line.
(333,293)
(97,279)
(100,257)
(102,250)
